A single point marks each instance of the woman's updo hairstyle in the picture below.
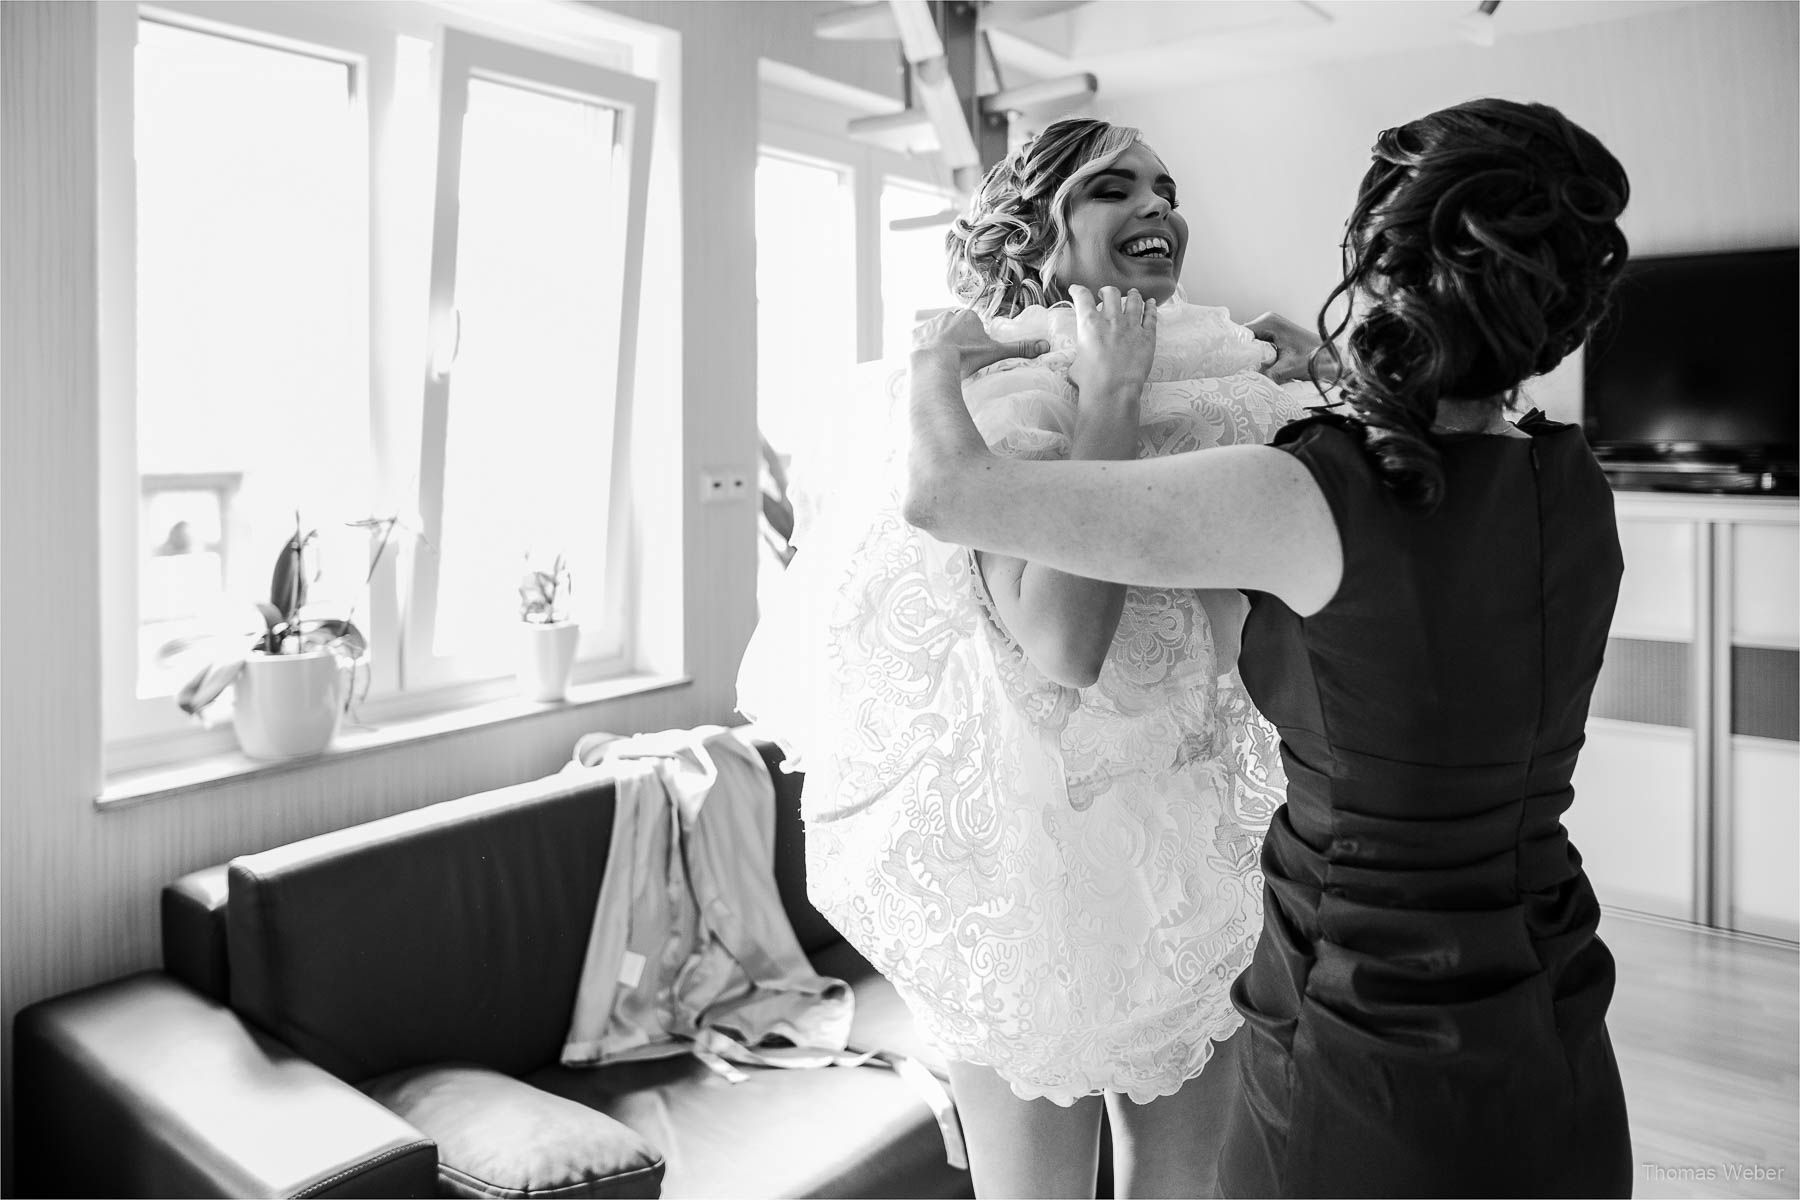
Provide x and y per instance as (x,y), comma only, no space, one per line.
(1483,247)
(1004,251)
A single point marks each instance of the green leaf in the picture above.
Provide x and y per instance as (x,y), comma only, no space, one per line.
(205,687)
(780,516)
(352,642)
(175,648)
(287,584)
(340,637)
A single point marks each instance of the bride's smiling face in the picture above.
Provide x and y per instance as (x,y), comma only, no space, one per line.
(1123,229)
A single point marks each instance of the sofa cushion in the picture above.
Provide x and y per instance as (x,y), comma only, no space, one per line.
(497,1136)
(835,1131)
(452,933)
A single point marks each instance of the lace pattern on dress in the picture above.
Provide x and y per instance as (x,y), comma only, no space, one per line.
(1062,883)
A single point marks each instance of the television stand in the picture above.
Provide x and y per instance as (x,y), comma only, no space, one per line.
(1737,479)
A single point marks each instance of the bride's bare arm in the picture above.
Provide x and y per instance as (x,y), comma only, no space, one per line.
(1065,623)
(1236,516)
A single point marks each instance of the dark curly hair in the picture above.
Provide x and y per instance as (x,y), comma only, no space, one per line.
(1484,246)
(1004,250)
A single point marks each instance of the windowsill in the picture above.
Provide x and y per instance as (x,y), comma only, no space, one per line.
(135,787)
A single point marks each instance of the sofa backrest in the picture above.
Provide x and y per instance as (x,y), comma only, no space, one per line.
(452,932)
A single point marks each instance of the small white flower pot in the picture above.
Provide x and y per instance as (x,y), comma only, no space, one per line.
(287,705)
(546,656)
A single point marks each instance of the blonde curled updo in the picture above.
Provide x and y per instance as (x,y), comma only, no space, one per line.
(1005,250)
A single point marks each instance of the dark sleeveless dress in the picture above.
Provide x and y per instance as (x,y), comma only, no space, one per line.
(1425,1013)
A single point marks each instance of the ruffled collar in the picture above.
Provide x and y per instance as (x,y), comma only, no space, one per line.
(1192,340)
(1056,323)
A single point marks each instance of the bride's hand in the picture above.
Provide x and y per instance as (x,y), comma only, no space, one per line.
(1115,341)
(959,336)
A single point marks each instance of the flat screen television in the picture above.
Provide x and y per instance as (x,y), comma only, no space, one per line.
(1693,377)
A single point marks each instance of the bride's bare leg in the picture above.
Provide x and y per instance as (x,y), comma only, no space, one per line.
(1025,1148)
(1170,1146)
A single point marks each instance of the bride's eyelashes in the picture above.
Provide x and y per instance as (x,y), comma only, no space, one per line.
(1114,193)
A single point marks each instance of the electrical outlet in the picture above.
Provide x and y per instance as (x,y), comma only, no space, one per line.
(717,487)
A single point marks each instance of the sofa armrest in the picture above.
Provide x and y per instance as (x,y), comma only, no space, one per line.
(193,931)
(141,1087)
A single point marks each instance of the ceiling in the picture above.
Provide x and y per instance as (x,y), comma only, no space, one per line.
(1148,45)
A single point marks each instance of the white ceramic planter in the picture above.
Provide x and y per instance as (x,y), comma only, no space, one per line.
(546,655)
(287,705)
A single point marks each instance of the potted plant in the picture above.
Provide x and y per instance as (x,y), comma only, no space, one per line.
(547,639)
(291,680)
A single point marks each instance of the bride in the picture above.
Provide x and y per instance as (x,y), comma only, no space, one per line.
(1034,801)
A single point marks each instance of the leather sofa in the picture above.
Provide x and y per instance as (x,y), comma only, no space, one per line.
(379,1011)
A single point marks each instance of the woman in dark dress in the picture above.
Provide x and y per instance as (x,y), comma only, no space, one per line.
(1431,592)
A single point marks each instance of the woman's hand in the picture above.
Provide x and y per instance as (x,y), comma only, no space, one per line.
(1115,341)
(1294,346)
(959,336)
(946,350)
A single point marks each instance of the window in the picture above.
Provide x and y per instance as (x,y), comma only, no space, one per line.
(304,323)
(914,279)
(246,343)
(805,267)
(542,168)
(826,248)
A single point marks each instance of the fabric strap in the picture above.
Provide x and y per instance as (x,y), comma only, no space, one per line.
(718,1050)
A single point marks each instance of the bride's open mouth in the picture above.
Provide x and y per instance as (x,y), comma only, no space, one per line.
(1150,245)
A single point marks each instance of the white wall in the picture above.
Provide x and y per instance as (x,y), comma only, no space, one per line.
(81,885)
(1700,103)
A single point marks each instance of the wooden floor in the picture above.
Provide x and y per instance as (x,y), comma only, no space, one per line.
(1707,1031)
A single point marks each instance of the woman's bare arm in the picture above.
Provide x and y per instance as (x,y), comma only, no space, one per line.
(1236,516)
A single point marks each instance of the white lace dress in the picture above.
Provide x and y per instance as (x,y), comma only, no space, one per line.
(1062,883)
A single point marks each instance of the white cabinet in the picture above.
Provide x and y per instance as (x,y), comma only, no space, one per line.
(1658,595)
(1758,769)
(1765,579)
(1688,793)
(1633,817)
(1764,891)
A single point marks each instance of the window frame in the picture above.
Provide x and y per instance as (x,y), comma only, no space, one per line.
(142,734)
(948,195)
(146,728)
(467,57)
(809,126)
